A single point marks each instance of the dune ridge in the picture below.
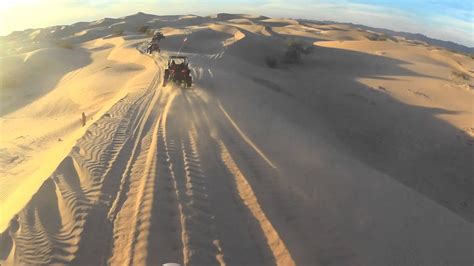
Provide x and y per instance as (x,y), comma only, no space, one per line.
(356,153)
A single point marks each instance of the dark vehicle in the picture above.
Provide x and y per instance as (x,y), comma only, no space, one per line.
(153,46)
(157,37)
(178,71)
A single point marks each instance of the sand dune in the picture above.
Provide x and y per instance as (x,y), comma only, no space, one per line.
(360,154)
(42,128)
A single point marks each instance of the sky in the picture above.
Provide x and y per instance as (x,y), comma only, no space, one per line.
(450,20)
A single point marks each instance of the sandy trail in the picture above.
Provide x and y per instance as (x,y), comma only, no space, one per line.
(295,165)
(187,189)
(168,175)
(179,186)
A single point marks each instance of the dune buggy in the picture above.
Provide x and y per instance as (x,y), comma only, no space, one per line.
(178,71)
(152,46)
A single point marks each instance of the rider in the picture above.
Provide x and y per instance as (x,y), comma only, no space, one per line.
(157,36)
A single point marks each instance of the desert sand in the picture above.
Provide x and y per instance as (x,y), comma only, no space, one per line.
(359,154)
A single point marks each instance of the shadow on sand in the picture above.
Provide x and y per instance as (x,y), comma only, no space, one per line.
(407,143)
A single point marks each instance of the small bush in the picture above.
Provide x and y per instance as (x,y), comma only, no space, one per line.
(308,49)
(271,61)
(292,55)
(295,50)
(298,45)
(378,37)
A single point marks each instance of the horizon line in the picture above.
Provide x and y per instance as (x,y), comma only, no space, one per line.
(278,17)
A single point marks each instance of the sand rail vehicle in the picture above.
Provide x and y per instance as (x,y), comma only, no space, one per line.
(154,44)
(178,71)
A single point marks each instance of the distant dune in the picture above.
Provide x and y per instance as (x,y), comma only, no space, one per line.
(407,35)
(299,143)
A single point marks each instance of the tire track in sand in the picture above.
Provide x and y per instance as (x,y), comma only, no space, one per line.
(286,208)
(278,248)
(135,219)
(54,223)
(201,245)
(273,248)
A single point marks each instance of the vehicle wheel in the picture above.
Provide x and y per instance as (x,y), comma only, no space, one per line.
(166,77)
(189,81)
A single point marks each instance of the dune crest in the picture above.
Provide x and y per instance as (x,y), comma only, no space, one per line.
(299,143)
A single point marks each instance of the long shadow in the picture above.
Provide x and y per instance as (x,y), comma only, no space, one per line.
(406,142)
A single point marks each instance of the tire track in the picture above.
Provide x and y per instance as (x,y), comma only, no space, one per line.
(239,241)
(159,178)
(278,248)
(261,231)
(67,216)
(287,209)
(201,241)
(133,218)
(98,228)
(130,226)
(166,233)
(74,190)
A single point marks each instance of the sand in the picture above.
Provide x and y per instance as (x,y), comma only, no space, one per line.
(358,155)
